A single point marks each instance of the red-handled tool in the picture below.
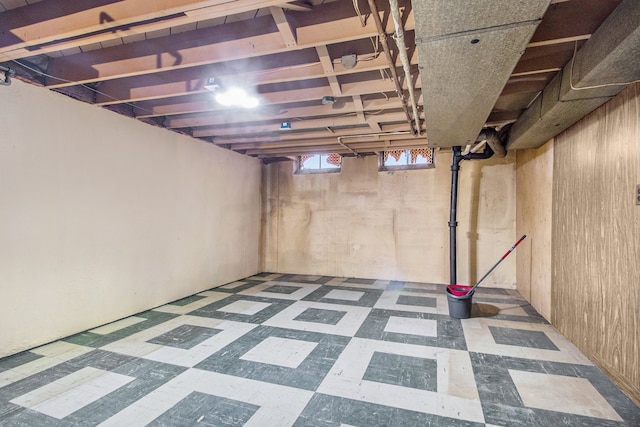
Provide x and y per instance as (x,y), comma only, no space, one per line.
(496,264)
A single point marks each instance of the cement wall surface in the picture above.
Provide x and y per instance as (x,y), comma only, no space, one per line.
(102,216)
(390,225)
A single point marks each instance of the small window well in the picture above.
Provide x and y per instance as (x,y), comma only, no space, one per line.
(319,163)
(415,158)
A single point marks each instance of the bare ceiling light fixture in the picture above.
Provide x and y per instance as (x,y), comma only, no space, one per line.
(232,96)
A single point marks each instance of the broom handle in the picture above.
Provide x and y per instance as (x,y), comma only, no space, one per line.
(496,264)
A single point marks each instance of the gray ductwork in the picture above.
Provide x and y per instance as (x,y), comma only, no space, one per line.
(492,138)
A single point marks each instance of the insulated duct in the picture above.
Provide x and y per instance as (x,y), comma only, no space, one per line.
(493,139)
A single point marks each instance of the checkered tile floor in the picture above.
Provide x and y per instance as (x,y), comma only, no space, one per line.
(280,350)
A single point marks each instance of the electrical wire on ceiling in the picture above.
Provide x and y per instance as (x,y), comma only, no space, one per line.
(573,60)
(42,73)
(363,19)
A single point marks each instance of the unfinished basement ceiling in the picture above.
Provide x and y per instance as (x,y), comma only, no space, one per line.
(153,64)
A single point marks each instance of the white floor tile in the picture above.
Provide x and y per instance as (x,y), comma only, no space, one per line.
(456,396)
(344,295)
(136,345)
(72,392)
(279,405)
(562,394)
(280,351)
(479,339)
(116,326)
(245,307)
(406,325)
(347,326)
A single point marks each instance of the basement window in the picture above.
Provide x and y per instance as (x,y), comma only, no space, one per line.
(414,158)
(313,163)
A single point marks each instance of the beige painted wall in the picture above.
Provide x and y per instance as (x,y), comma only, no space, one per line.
(534,188)
(390,225)
(596,237)
(102,216)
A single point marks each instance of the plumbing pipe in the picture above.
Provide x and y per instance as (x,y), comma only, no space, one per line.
(494,141)
(455,168)
(365,135)
(392,66)
(406,65)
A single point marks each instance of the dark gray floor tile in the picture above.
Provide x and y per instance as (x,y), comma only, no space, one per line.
(405,371)
(502,404)
(17,359)
(199,409)
(316,315)
(185,336)
(212,310)
(282,289)
(248,284)
(449,330)
(90,339)
(368,299)
(324,411)
(308,375)
(187,300)
(30,418)
(522,338)
(504,415)
(360,281)
(417,301)
(304,278)
(148,374)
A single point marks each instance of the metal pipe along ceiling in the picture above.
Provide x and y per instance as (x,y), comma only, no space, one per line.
(387,52)
(402,51)
(366,135)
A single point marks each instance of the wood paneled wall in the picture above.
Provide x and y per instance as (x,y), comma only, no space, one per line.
(596,238)
(534,183)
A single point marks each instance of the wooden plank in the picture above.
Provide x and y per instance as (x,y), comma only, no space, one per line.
(203,103)
(50,20)
(289,139)
(357,102)
(277,113)
(201,47)
(596,238)
(327,66)
(183,50)
(310,124)
(333,147)
(284,27)
(569,21)
(192,80)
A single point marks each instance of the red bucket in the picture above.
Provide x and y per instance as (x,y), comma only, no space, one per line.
(458,290)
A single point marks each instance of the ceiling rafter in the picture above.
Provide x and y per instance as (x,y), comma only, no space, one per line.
(289,140)
(192,80)
(204,103)
(313,124)
(200,47)
(327,66)
(335,147)
(278,112)
(284,27)
(134,18)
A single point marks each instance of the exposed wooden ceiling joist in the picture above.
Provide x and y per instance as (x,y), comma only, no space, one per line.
(152,60)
